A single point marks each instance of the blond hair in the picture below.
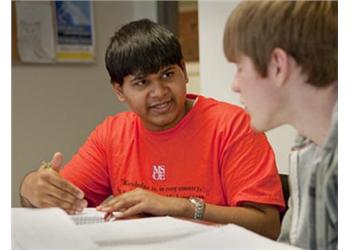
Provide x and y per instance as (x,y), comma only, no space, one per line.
(305,30)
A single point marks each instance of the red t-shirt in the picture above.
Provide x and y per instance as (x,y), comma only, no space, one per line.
(211,153)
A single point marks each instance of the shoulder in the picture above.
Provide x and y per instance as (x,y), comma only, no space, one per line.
(122,118)
(224,114)
(117,124)
(220,108)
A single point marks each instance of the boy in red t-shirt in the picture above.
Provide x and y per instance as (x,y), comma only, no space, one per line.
(174,154)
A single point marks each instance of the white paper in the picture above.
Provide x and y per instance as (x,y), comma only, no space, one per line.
(35,31)
(141,232)
(225,237)
(46,229)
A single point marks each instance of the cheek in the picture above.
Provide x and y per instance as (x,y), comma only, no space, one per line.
(137,104)
(243,86)
(262,102)
(178,91)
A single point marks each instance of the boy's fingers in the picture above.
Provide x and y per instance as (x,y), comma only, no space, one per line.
(118,205)
(131,211)
(56,202)
(66,197)
(64,185)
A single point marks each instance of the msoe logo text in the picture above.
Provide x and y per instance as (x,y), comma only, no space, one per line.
(158,172)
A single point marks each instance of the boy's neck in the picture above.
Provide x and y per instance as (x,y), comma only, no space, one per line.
(189,103)
(312,112)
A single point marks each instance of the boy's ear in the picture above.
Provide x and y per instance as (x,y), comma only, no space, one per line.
(278,68)
(183,67)
(118,91)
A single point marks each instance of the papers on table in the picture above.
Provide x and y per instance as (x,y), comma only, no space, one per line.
(141,232)
(46,229)
(36,229)
(168,232)
(225,237)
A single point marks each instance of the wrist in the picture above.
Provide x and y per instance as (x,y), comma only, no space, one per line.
(22,191)
(25,202)
(199,207)
(181,207)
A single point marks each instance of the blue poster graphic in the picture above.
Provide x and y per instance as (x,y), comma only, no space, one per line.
(74,22)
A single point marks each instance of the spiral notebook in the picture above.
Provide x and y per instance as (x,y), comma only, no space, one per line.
(89,216)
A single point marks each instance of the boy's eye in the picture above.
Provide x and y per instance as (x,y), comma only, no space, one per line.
(140,83)
(168,74)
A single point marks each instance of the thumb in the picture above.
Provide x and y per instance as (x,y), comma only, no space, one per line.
(57,161)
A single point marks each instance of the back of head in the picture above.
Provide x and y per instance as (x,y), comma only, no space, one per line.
(141,47)
(305,30)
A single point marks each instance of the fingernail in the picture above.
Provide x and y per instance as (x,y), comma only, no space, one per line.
(108,217)
(80,204)
(117,214)
(104,209)
(85,203)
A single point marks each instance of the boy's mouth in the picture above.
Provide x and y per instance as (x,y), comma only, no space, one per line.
(161,107)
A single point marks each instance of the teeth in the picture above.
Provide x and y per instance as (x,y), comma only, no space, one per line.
(160,105)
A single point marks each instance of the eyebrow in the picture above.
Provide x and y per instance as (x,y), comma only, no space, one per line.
(142,76)
(138,77)
(167,68)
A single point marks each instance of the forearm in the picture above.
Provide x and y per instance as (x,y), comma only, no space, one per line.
(261,219)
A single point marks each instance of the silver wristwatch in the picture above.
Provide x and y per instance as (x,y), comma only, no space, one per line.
(199,207)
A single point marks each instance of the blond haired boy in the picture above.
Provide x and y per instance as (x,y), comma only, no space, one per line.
(286,57)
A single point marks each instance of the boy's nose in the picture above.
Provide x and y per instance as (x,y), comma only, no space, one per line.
(159,90)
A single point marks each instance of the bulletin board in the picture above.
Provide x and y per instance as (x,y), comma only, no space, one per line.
(53,31)
(188,35)
(14,51)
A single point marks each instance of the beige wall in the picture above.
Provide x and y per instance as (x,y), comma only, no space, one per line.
(55,107)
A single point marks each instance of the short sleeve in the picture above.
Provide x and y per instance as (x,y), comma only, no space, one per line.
(88,168)
(249,170)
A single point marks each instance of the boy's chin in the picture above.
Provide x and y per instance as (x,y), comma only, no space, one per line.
(264,125)
(259,126)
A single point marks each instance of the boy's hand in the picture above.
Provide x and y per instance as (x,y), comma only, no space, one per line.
(46,188)
(140,201)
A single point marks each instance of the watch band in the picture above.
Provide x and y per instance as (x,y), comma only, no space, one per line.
(199,207)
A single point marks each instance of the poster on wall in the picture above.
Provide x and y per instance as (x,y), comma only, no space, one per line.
(35,33)
(74,31)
